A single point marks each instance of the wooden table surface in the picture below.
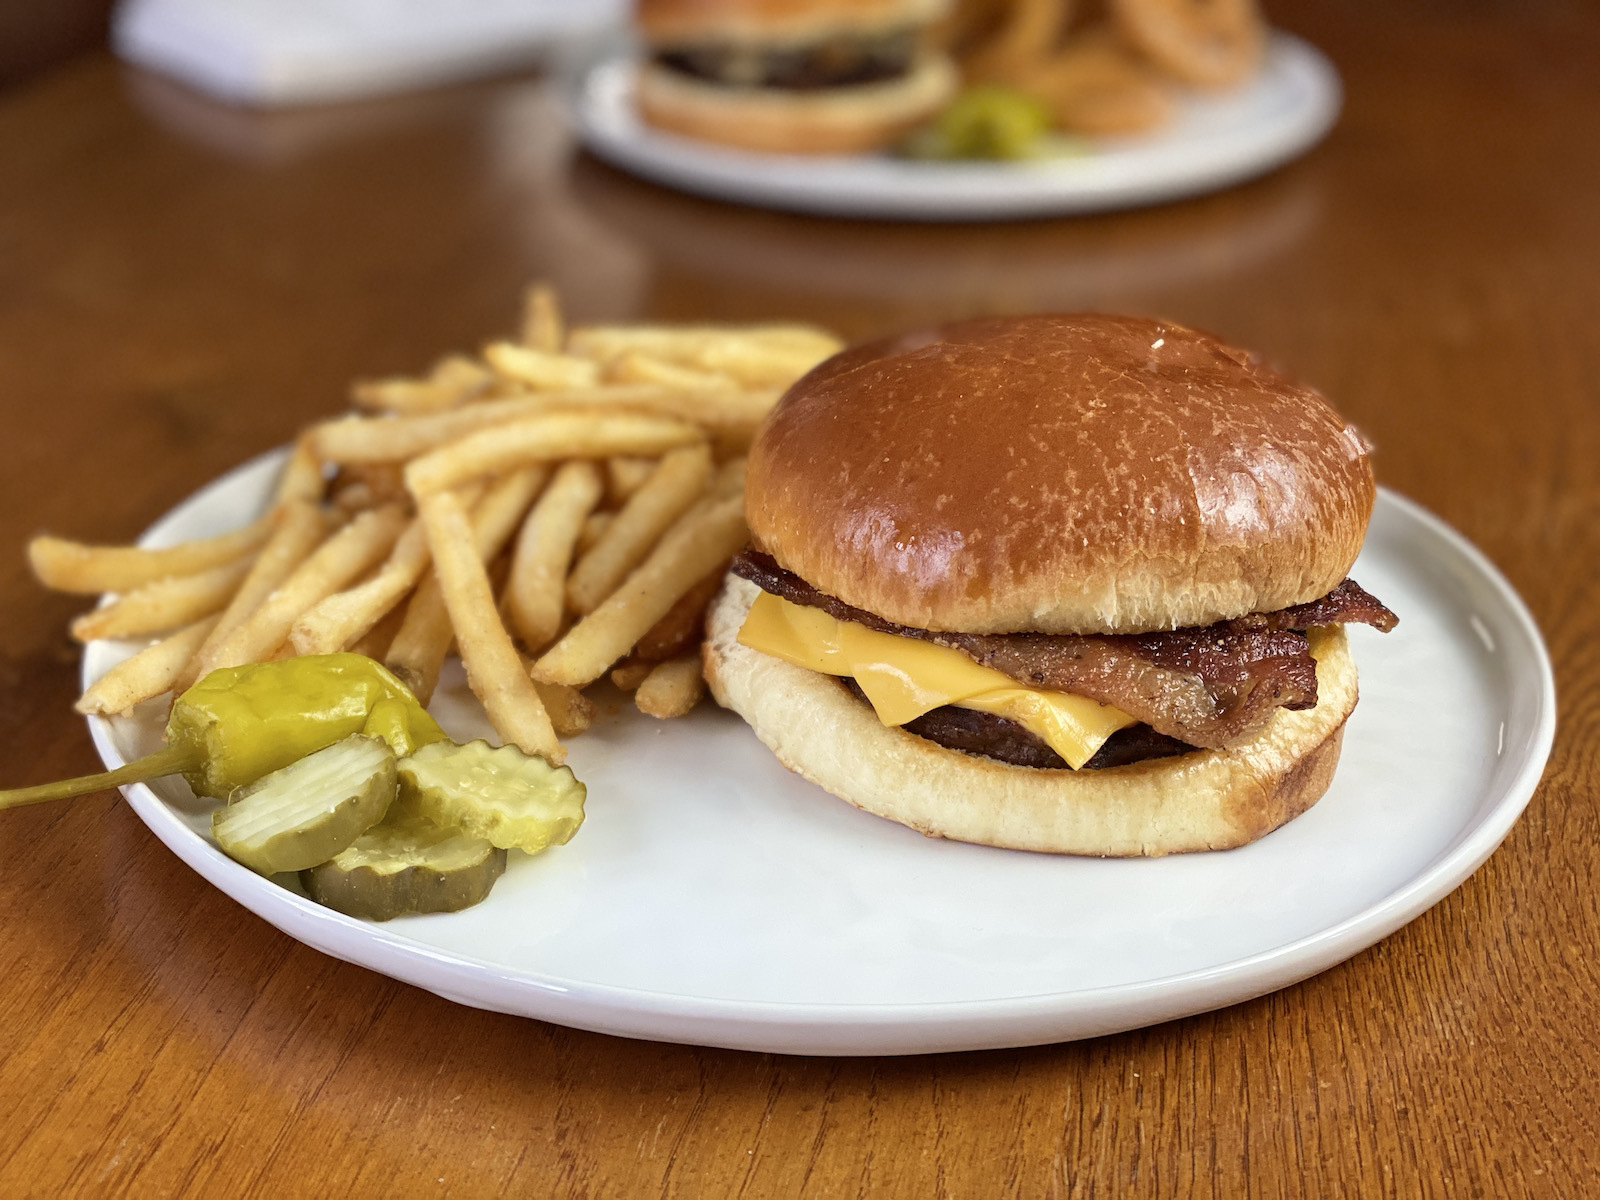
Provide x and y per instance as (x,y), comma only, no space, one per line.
(182,286)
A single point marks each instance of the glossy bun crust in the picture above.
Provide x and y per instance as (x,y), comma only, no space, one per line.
(1058,474)
(686,22)
(1206,800)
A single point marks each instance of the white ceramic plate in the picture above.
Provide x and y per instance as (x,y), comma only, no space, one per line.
(714,898)
(1215,141)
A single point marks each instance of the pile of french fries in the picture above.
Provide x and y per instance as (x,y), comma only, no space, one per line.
(560,509)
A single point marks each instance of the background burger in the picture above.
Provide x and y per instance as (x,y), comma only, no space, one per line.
(792,76)
(1062,583)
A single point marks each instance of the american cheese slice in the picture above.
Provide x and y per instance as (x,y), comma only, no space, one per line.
(904,678)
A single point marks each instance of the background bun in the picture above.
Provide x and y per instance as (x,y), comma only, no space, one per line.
(680,22)
(1207,800)
(842,120)
(1058,474)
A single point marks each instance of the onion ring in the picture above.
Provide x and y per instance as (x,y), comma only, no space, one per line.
(1096,86)
(1207,43)
(1029,34)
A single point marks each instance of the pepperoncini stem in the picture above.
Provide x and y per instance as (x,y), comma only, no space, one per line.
(168,761)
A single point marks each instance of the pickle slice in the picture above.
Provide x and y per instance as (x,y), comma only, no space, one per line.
(406,864)
(514,800)
(305,813)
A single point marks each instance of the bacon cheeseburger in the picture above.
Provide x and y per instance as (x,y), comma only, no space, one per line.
(1062,583)
(792,76)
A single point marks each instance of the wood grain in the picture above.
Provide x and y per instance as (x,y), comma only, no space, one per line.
(182,285)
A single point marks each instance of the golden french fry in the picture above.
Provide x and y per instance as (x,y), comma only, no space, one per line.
(344,557)
(536,592)
(631,674)
(418,649)
(163,605)
(543,327)
(302,479)
(684,623)
(675,484)
(625,476)
(691,344)
(494,671)
(459,371)
(454,380)
(405,395)
(541,370)
(756,365)
(69,566)
(672,688)
(542,439)
(395,439)
(636,367)
(708,534)
(729,479)
(299,529)
(593,526)
(571,712)
(148,673)
(374,644)
(336,621)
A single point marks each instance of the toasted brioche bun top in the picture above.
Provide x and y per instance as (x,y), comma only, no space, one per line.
(686,22)
(1058,474)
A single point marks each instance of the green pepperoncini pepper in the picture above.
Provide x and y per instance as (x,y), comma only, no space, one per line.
(240,723)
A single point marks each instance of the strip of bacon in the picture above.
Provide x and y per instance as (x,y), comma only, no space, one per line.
(1212,686)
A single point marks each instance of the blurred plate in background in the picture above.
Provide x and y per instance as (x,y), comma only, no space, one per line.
(1215,141)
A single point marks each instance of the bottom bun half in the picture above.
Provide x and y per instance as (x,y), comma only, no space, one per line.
(1206,800)
(842,120)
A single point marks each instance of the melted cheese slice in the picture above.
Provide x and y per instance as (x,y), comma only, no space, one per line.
(904,678)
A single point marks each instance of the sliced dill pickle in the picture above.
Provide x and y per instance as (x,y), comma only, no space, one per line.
(512,799)
(307,812)
(406,864)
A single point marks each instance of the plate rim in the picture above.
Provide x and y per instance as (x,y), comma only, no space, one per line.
(899,1027)
(774,181)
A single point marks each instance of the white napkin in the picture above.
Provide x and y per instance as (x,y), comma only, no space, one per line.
(283,52)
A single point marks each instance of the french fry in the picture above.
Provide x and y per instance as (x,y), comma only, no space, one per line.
(542,439)
(302,479)
(631,674)
(404,395)
(374,644)
(420,645)
(536,592)
(163,605)
(344,557)
(684,623)
(336,621)
(541,370)
(69,566)
(543,327)
(729,479)
(625,476)
(298,530)
(571,712)
(691,344)
(676,483)
(634,367)
(593,526)
(708,534)
(397,439)
(454,380)
(672,688)
(494,671)
(148,673)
